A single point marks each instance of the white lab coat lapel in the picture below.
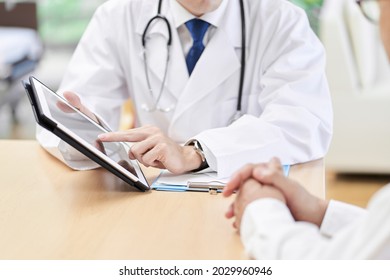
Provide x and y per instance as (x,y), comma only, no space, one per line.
(156,47)
(218,62)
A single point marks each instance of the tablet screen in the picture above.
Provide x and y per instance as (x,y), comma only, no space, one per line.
(81,126)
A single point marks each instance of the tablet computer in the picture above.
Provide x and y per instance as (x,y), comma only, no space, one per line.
(54,113)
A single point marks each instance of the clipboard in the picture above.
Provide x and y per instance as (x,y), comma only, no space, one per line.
(203,182)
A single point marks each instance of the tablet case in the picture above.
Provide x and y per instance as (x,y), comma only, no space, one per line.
(48,124)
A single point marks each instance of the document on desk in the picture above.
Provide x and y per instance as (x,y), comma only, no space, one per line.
(200,182)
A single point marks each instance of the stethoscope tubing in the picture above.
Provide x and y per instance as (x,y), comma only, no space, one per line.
(159,16)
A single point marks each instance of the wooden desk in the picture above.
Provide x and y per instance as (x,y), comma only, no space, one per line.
(48,211)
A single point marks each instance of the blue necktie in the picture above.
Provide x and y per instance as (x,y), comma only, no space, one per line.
(197,28)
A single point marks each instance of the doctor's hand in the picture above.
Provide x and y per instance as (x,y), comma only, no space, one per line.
(75,101)
(248,192)
(152,148)
(303,205)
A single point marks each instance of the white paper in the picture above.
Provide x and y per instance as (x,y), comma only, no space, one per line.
(167,178)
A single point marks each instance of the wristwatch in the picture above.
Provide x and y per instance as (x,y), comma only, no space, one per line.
(198,149)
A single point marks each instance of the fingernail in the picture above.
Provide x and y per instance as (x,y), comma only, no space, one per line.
(102,136)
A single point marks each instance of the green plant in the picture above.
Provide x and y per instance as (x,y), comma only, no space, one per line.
(312,8)
(62,22)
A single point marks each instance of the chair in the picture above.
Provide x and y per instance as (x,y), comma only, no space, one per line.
(127,120)
(20,49)
(359,78)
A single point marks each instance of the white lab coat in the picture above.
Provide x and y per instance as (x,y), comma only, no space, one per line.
(286,101)
(268,231)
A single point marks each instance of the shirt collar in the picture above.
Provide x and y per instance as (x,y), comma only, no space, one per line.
(181,15)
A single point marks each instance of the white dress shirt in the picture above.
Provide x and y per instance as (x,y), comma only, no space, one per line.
(181,16)
(268,231)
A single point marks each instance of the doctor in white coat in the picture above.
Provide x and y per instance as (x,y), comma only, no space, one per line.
(286,107)
(279,219)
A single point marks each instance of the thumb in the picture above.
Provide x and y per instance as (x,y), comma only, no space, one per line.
(73,99)
(273,177)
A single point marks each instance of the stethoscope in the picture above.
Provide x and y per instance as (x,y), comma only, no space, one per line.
(168,109)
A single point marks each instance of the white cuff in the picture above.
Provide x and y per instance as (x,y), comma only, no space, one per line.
(338,215)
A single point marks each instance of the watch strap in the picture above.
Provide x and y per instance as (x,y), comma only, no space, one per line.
(198,149)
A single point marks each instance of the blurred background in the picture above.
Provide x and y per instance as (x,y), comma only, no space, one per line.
(39,37)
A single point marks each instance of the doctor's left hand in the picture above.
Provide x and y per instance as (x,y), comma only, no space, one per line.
(152,148)
(75,101)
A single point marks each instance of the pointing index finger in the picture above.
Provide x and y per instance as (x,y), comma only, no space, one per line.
(122,136)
